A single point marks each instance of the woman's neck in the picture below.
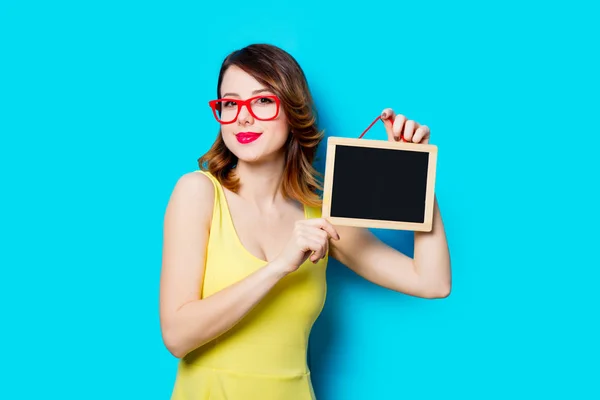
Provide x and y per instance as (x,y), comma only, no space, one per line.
(260,183)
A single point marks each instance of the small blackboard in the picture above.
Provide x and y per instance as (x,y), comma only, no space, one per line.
(379,184)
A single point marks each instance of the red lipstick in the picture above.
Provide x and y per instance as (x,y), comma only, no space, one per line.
(247,137)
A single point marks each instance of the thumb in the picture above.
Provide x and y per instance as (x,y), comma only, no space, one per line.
(387,116)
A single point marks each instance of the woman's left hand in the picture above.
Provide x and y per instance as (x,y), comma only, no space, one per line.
(398,126)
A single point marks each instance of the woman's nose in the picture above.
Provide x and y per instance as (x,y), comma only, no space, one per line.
(244,115)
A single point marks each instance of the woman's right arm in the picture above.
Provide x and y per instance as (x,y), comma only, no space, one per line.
(187,322)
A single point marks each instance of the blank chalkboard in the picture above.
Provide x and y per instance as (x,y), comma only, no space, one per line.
(379,184)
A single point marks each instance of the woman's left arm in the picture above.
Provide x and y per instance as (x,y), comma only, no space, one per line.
(428,274)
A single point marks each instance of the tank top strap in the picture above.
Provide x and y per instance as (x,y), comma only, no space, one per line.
(313,212)
(220,217)
(213,179)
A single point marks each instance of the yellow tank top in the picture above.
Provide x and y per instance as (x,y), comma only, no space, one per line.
(263,356)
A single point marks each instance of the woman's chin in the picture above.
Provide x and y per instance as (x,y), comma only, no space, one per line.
(257,157)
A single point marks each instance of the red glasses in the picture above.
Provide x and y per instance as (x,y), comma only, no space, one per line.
(263,108)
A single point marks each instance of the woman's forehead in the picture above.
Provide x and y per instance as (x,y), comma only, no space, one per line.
(239,82)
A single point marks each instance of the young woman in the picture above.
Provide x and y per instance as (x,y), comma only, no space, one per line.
(245,247)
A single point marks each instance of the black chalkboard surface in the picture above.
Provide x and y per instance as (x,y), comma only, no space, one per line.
(379,184)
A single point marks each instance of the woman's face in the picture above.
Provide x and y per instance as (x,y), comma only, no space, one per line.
(250,139)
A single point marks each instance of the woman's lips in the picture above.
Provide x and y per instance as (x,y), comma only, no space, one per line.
(247,137)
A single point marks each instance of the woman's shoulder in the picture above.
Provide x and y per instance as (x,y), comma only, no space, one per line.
(196,183)
(193,189)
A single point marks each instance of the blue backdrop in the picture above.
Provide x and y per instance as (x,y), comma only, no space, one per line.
(103,107)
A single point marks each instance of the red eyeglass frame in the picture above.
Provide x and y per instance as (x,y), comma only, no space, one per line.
(241,103)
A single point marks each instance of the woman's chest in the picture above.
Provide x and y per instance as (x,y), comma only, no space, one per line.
(263,236)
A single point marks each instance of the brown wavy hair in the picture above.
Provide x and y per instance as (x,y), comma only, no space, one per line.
(281,73)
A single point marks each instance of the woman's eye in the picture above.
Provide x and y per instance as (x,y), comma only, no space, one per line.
(229,104)
(265,100)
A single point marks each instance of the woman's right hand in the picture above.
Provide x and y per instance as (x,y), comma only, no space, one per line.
(310,238)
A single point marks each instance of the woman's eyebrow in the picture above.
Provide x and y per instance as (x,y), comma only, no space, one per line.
(253,92)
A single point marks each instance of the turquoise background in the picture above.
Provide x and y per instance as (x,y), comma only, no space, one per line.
(103,107)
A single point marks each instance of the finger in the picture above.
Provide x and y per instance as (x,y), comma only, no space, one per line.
(316,234)
(399,123)
(409,130)
(323,225)
(421,134)
(387,116)
(307,245)
(318,247)
(322,237)
(326,226)
(320,234)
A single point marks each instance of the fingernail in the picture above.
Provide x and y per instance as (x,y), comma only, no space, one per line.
(384,115)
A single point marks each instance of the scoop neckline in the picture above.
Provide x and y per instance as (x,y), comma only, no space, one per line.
(235,233)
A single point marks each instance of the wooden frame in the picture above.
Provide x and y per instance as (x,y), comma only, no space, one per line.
(333,142)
